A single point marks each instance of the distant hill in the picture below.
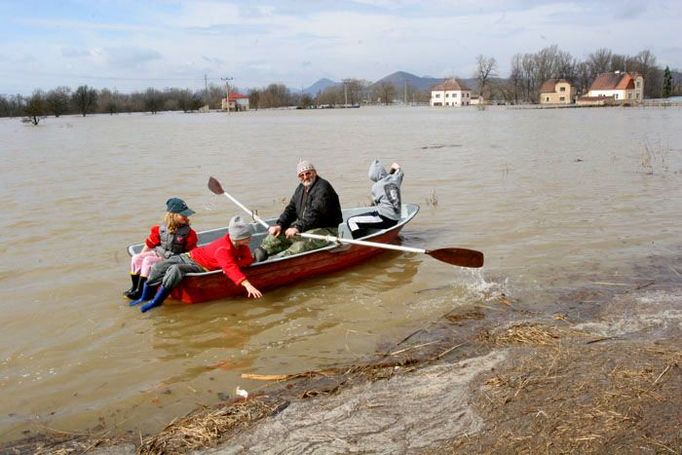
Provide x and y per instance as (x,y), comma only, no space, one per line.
(399,78)
(320,86)
(423,83)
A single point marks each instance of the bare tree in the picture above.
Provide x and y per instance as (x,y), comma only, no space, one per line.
(109,102)
(153,100)
(276,95)
(515,88)
(254,98)
(331,95)
(583,77)
(486,68)
(385,92)
(36,107)
(85,99)
(645,64)
(354,90)
(600,61)
(185,100)
(58,101)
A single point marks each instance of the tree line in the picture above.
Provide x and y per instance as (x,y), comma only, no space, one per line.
(528,72)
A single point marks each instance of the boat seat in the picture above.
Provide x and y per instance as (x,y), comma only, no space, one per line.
(344,231)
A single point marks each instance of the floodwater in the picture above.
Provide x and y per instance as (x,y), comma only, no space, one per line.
(554,198)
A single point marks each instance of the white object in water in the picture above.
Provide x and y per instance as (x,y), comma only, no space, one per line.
(242,393)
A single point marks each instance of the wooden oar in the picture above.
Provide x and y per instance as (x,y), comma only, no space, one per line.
(456,256)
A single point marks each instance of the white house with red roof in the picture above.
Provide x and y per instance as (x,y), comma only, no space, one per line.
(450,93)
(237,102)
(619,85)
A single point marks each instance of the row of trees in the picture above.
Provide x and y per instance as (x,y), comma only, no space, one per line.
(86,100)
(528,72)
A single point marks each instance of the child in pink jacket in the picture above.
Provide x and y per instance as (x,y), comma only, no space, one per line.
(173,237)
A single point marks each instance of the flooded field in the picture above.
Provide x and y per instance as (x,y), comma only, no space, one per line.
(558,200)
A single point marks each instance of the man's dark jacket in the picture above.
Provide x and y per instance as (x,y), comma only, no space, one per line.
(319,208)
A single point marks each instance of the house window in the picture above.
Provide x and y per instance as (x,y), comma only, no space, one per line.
(447,95)
(563,98)
(637,84)
(437,95)
(454,95)
(547,99)
(468,94)
(562,89)
(616,96)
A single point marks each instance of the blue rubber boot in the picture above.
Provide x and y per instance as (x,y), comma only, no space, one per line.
(158,299)
(147,293)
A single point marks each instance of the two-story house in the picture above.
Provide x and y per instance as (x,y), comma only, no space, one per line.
(450,93)
(557,91)
(619,85)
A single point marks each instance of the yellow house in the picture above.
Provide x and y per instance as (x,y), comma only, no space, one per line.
(557,91)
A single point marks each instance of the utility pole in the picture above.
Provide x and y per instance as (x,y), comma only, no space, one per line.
(208,103)
(345,92)
(227,91)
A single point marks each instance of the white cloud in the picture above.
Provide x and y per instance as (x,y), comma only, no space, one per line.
(299,42)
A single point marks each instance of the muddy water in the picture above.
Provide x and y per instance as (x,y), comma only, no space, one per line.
(556,199)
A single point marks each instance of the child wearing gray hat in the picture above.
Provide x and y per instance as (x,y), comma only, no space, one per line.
(386,199)
(229,253)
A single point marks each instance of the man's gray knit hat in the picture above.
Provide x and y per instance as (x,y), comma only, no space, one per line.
(238,229)
(303,166)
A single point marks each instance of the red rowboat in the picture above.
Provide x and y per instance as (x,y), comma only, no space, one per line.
(275,272)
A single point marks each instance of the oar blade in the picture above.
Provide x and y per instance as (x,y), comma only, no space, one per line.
(458,256)
(215,186)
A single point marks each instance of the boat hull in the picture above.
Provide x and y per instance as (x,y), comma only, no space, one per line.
(203,287)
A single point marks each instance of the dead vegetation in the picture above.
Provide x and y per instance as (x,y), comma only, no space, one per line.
(206,427)
(61,443)
(523,333)
(563,394)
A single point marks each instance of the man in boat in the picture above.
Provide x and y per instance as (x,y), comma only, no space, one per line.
(314,208)
(229,253)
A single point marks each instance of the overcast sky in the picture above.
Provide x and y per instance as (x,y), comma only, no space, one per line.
(130,45)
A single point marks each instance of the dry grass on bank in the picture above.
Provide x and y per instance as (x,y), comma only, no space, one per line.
(210,426)
(205,428)
(563,394)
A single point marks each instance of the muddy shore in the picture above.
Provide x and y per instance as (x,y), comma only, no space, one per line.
(601,373)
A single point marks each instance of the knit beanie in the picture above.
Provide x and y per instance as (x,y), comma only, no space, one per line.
(304,165)
(238,229)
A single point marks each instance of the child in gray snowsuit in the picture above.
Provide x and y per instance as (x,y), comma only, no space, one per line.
(386,198)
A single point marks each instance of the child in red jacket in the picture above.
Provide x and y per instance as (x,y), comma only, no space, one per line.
(172,237)
(229,253)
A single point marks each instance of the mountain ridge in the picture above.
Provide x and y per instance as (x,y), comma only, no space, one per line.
(399,79)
